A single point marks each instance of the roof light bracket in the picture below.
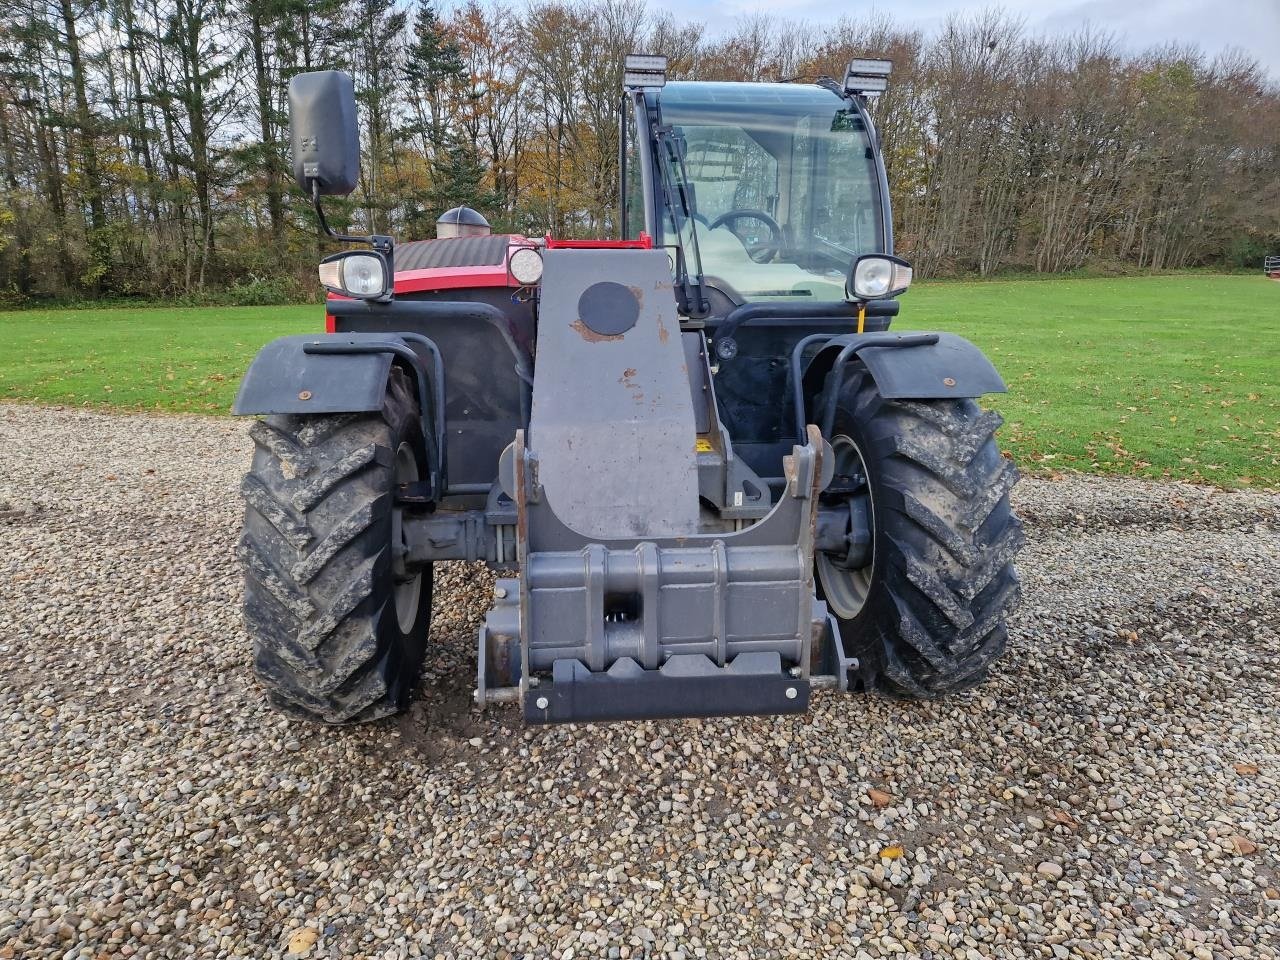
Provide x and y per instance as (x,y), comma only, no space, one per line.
(867,78)
(644,71)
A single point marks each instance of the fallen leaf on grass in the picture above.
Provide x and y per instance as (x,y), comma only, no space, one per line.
(879,798)
(892,853)
(1243,845)
(1246,769)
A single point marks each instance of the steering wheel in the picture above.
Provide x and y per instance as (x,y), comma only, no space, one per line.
(759,252)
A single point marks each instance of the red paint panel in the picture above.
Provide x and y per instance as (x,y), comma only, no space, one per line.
(453,278)
(643,242)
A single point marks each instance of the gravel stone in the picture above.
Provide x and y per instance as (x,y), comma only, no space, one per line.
(1051,870)
(1114,791)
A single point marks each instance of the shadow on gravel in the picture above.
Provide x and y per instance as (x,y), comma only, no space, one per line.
(438,721)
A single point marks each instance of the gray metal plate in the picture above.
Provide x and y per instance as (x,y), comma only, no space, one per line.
(754,684)
(612,426)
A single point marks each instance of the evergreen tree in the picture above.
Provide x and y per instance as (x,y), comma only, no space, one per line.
(433,68)
(458,179)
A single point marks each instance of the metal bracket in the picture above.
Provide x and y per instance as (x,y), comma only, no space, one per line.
(835,662)
(860,342)
(685,686)
(416,494)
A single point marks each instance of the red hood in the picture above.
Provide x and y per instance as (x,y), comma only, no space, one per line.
(426,265)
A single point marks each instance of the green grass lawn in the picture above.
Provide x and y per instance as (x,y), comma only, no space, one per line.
(186,359)
(1174,376)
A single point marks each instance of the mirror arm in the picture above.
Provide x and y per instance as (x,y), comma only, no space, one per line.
(324,224)
(383,244)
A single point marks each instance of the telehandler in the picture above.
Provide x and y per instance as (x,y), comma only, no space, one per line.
(710,479)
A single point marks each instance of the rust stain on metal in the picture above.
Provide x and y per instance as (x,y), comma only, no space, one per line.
(628,380)
(949,381)
(638,293)
(304,394)
(662,330)
(590,335)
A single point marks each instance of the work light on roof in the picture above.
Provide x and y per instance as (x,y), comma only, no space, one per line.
(867,77)
(644,70)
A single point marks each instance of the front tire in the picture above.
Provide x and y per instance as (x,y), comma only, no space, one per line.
(338,636)
(926,615)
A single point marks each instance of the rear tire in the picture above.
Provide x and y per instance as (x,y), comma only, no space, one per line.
(926,616)
(330,641)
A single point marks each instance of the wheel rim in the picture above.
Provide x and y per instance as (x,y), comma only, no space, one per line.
(408,588)
(846,590)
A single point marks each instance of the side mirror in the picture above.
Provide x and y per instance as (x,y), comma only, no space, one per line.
(876,276)
(324,133)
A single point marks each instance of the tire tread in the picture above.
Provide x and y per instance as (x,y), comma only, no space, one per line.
(316,555)
(934,623)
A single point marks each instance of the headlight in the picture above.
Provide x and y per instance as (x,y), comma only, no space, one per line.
(352,274)
(876,276)
(526,266)
(872,277)
(364,275)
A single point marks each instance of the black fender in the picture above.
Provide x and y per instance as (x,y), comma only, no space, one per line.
(347,373)
(947,368)
(952,367)
(913,366)
(285,378)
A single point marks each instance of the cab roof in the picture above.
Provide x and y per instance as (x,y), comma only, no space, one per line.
(727,96)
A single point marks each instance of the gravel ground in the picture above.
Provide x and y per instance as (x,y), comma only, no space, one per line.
(1112,792)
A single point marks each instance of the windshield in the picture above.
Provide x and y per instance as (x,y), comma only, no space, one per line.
(783,186)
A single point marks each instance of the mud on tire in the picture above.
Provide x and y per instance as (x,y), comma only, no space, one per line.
(942,577)
(320,592)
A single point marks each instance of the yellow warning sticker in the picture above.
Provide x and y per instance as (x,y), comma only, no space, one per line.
(703,445)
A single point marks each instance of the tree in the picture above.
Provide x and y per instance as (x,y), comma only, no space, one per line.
(458,179)
(142,142)
(433,68)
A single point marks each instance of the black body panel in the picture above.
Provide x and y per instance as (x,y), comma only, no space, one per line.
(484,351)
(754,388)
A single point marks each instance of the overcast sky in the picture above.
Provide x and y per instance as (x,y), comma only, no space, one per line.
(1214,25)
